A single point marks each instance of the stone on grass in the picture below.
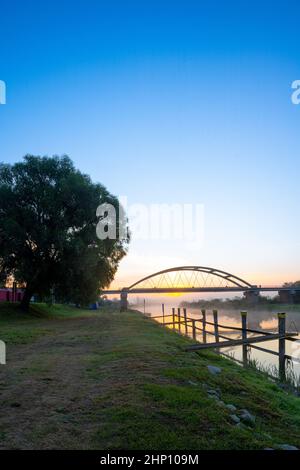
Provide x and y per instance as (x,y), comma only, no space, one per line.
(214,370)
(240,425)
(247,417)
(215,397)
(231,407)
(220,403)
(235,419)
(213,392)
(287,447)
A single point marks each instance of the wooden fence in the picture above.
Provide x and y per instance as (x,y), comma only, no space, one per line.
(190,326)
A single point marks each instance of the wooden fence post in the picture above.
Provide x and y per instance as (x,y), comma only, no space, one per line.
(244,336)
(173,317)
(185,321)
(281,345)
(194,328)
(179,319)
(203,311)
(163,312)
(216,326)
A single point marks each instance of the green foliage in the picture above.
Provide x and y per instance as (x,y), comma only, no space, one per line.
(48,230)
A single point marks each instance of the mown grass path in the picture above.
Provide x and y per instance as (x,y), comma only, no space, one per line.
(103,380)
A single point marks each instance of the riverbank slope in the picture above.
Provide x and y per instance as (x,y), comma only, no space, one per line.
(78,379)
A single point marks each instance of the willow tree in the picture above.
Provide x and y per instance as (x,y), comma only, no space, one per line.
(48,230)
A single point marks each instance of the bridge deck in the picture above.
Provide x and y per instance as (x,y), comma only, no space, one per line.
(173,290)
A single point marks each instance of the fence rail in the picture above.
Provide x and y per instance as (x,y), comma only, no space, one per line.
(180,321)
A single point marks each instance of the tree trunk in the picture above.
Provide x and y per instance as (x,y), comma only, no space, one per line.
(26,299)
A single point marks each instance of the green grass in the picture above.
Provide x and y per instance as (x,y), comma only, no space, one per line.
(17,327)
(110,380)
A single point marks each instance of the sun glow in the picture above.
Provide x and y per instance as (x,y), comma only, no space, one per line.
(174,294)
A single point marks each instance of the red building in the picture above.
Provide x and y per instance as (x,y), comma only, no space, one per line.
(8,295)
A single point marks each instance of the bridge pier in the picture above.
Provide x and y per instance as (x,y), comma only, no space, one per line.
(251,296)
(286,296)
(123,301)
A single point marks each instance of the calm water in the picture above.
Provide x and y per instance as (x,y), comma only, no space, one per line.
(257,319)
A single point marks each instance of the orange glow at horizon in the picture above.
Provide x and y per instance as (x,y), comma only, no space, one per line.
(174,294)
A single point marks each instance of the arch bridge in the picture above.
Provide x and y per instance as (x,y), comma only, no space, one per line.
(183,279)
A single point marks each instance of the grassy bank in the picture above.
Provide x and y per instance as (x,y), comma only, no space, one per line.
(79,379)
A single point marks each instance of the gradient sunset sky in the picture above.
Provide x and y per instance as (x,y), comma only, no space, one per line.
(168,102)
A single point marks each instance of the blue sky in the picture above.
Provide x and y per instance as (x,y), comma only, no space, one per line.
(168,102)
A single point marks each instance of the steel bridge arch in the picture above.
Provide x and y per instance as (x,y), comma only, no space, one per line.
(237,281)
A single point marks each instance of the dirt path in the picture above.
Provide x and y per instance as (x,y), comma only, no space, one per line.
(45,388)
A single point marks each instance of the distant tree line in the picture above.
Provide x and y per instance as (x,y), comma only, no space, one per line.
(294,285)
(241,302)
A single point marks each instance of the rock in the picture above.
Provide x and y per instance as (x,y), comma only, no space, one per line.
(214,370)
(235,419)
(247,417)
(241,426)
(231,407)
(213,392)
(221,403)
(215,397)
(287,447)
